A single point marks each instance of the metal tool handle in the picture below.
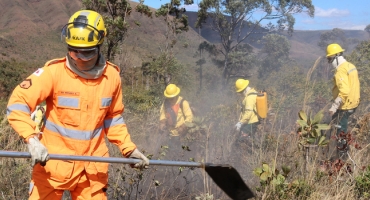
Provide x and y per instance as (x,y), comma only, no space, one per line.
(225,176)
(15,154)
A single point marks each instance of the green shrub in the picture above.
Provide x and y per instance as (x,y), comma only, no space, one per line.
(276,185)
(11,74)
(362,186)
(141,100)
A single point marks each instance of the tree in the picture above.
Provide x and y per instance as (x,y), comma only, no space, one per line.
(276,48)
(161,67)
(11,74)
(177,22)
(115,13)
(241,61)
(367,29)
(237,20)
(334,36)
(360,57)
(202,49)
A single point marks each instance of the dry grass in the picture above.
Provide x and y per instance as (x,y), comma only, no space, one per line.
(272,145)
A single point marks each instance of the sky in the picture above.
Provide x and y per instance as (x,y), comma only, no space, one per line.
(329,14)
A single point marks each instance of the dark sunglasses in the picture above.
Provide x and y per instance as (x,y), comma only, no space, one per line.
(83,53)
(330,59)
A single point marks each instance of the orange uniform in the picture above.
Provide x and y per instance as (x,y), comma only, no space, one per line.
(80,112)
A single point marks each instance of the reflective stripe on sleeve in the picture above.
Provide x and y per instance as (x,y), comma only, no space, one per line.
(18,107)
(31,188)
(73,134)
(112,122)
(351,70)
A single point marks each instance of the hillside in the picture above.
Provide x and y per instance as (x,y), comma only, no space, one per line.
(304,43)
(30,31)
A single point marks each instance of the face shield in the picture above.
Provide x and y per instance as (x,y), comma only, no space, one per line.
(84,54)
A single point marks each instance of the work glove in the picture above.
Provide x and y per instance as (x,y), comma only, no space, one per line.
(238,126)
(335,105)
(138,155)
(39,153)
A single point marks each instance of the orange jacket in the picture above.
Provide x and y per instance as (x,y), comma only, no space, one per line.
(79,113)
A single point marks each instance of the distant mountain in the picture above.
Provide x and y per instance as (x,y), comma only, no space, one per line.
(304,44)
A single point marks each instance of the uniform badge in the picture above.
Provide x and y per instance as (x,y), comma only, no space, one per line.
(26,84)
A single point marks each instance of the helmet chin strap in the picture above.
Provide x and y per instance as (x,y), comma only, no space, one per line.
(335,62)
(339,59)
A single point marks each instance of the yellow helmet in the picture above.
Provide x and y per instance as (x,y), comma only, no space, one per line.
(241,84)
(85,28)
(333,49)
(171,91)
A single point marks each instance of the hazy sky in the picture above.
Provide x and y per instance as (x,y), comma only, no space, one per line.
(329,14)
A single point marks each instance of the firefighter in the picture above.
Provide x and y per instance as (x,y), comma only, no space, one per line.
(175,111)
(248,120)
(346,93)
(83,96)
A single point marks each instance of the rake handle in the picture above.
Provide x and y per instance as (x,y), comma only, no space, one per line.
(225,176)
(15,154)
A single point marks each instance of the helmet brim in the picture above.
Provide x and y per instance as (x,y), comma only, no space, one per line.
(245,85)
(172,95)
(332,54)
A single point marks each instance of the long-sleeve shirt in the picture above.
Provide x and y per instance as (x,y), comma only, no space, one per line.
(80,112)
(248,114)
(347,86)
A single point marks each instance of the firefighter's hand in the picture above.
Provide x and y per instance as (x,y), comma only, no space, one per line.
(335,106)
(138,155)
(332,110)
(39,153)
(238,126)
